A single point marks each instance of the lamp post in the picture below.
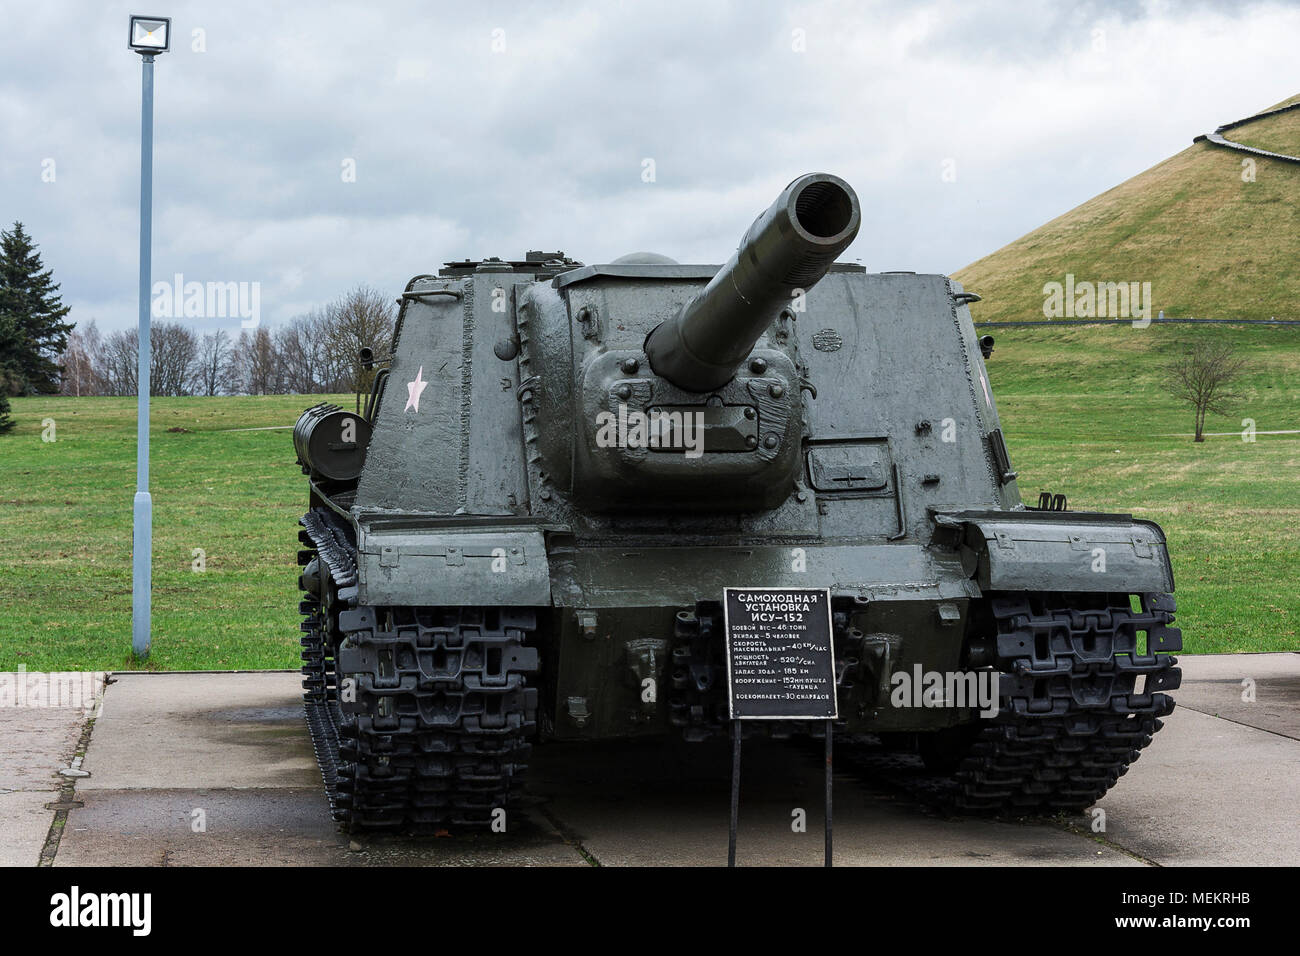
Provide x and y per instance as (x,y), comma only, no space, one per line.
(148,36)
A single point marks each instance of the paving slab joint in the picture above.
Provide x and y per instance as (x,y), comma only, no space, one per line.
(1064,822)
(570,838)
(68,790)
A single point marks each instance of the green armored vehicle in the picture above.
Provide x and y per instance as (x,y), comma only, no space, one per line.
(526,535)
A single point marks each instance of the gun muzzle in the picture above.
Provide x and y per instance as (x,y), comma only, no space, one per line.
(788,249)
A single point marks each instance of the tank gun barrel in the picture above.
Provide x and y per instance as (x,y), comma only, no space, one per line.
(789,247)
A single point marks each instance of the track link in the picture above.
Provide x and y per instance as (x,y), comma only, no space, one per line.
(1072,718)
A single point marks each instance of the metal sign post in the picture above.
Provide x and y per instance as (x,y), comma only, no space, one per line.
(830,736)
(780,666)
(735,792)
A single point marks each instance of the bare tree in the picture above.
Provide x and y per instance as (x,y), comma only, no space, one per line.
(362,317)
(235,375)
(301,346)
(1202,376)
(210,366)
(77,364)
(116,365)
(256,362)
(173,350)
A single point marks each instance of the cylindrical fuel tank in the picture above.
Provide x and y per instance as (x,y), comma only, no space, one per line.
(331,441)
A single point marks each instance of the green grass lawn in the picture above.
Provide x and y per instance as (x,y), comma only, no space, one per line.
(1082,408)
(65,533)
(1085,414)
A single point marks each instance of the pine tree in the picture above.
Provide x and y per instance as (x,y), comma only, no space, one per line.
(30,303)
(8,372)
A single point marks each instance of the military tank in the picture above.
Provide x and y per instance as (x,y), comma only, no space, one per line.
(561,466)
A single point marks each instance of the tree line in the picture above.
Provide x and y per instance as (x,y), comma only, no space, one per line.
(313,353)
(42,353)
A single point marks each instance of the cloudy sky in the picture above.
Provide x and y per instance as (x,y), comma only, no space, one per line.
(480,129)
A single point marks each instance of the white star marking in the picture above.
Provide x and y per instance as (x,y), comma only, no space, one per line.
(413,390)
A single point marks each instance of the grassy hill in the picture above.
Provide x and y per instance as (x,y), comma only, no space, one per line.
(1210,244)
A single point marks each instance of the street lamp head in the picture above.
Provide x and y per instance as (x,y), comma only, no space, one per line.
(150,35)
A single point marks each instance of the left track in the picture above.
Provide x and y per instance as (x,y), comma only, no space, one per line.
(420,716)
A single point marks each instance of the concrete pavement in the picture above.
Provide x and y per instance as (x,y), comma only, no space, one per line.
(197,769)
(36,742)
(1220,784)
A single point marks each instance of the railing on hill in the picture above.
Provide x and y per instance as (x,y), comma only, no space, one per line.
(1218,139)
(1159,321)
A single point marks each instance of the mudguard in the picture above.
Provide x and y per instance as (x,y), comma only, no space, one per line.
(1061,551)
(423,566)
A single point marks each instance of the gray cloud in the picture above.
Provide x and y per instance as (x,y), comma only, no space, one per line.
(463,151)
